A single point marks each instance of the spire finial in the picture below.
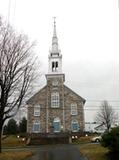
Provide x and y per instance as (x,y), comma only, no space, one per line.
(54,21)
(54,33)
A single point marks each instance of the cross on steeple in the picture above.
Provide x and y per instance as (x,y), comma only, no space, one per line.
(54,32)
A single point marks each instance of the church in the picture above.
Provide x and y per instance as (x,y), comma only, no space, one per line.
(55,110)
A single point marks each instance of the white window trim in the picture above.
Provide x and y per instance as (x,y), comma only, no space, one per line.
(55,100)
(57,120)
(36,123)
(74,109)
(74,122)
(37,110)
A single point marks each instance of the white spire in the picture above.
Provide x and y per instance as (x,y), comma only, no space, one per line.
(54,33)
(55,40)
(55,58)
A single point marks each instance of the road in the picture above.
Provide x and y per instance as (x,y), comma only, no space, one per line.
(57,152)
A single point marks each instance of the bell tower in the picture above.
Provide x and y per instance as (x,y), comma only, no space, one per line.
(55,86)
(55,57)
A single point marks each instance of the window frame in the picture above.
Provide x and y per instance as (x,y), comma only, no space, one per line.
(55,100)
(55,66)
(33,128)
(72,127)
(37,110)
(57,121)
(74,110)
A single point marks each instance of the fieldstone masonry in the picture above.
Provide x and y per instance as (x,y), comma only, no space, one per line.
(43,98)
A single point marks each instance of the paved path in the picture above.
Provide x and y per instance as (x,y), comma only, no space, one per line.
(57,152)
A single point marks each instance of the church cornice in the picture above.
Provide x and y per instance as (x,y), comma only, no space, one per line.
(54,56)
(55,76)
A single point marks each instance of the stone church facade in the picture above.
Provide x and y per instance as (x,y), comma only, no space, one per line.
(55,109)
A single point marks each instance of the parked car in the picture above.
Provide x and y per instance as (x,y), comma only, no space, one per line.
(96,139)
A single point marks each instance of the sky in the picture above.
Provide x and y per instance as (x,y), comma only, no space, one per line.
(88,34)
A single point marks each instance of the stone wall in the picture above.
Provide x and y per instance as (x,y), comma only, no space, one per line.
(47,113)
(55,112)
(71,97)
(39,99)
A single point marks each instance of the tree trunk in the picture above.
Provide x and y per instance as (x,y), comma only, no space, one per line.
(0,140)
(1,126)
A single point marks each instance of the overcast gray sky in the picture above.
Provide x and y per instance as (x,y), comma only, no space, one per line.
(88,33)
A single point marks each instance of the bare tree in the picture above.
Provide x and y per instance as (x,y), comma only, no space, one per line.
(106,115)
(16,71)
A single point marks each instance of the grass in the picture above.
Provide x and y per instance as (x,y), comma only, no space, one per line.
(12,141)
(15,155)
(83,140)
(93,151)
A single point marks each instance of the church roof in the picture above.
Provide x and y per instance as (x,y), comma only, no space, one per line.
(45,87)
(70,90)
(35,95)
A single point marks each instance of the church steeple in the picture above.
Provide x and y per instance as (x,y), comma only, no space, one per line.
(55,58)
(55,47)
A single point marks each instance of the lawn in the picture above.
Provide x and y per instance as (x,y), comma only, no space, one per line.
(13,141)
(15,155)
(93,151)
(82,140)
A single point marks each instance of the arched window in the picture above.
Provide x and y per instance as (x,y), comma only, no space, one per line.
(74,125)
(56,125)
(54,66)
(55,100)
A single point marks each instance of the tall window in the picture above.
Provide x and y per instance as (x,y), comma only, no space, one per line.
(56,125)
(54,66)
(73,109)
(37,110)
(74,126)
(36,127)
(55,100)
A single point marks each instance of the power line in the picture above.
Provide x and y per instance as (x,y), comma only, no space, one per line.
(68,109)
(91,100)
(99,106)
